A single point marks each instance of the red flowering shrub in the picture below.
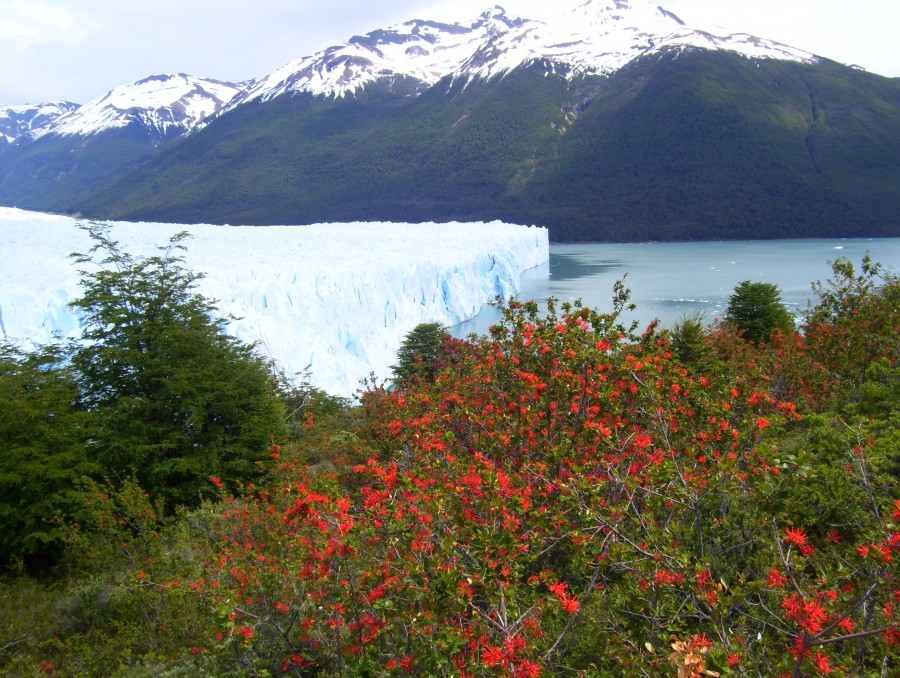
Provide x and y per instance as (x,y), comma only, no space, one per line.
(564,496)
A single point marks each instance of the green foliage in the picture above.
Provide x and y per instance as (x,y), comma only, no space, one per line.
(755,308)
(420,351)
(304,402)
(689,339)
(563,497)
(122,610)
(42,452)
(322,426)
(853,327)
(27,619)
(172,397)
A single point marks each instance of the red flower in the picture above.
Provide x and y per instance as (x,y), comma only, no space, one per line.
(493,656)
(776,580)
(846,624)
(559,589)
(821,662)
(570,605)
(796,536)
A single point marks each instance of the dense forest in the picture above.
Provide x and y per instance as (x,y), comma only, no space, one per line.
(686,144)
(566,496)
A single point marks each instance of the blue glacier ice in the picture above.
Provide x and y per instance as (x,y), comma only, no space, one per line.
(334,298)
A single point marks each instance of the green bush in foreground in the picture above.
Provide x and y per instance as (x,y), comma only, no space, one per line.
(419,352)
(173,398)
(42,452)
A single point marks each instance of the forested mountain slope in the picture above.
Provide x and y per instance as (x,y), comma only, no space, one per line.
(685,144)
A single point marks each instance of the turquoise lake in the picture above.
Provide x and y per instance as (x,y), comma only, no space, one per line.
(670,280)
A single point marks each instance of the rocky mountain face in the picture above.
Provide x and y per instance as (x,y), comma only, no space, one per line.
(17,122)
(164,106)
(80,149)
(612,122)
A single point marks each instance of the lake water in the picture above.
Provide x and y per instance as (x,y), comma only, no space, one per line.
(670,280)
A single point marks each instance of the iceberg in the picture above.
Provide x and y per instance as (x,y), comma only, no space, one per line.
(335,300)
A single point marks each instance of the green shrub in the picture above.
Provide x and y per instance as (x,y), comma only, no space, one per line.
(757,310)
(173,398)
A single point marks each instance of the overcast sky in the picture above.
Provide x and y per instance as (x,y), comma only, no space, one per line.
(78,50)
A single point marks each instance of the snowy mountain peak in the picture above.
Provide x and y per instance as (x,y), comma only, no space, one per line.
(496,21)
(595,37)
(496,12)
(423,51)
(602,36)
(18,121)
(166,105)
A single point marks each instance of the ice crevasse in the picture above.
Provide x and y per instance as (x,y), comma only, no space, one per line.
(336,299)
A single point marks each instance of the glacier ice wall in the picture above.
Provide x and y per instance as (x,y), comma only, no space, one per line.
(334,298)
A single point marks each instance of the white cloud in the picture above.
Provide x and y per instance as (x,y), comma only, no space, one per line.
(862,32)
(30,24)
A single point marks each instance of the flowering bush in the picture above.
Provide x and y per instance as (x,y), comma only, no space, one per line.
(563,496)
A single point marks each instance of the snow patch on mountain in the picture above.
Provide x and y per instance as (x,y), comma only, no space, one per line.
(424,51)
(163,104)
(602,36)
(337,298)
(596,37)
(18,121)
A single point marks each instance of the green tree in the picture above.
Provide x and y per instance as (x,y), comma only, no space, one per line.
(855,322)
(42,452)
(757,310)
(420,351)
(174,397)
(689,339)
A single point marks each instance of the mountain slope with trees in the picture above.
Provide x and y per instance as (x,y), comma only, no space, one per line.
(607,121)
(685,144)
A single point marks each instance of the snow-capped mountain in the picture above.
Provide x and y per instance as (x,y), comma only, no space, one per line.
(612,120)
(425,51)
(597,37)
(165,105)
(17,121)
(602,36)
(50,165)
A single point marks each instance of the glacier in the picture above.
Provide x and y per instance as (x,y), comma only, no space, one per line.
(335,300)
